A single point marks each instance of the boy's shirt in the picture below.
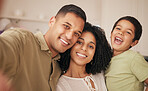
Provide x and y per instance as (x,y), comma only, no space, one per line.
(126,72)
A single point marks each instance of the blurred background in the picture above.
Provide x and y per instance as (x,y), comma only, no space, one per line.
(34,15)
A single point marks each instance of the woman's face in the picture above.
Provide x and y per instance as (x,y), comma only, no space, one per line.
(84,49)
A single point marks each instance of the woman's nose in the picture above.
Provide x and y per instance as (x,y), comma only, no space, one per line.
(84,47)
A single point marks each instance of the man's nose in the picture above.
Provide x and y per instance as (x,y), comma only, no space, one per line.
(69,34)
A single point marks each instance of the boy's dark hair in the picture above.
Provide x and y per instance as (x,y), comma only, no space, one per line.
(102,54)
(135,22)
(72,9)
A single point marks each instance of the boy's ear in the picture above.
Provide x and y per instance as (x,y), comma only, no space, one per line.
(134,43)
(52,21)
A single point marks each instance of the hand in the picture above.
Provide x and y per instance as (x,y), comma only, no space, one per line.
(4,84)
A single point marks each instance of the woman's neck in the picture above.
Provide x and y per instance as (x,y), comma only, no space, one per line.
(76,71)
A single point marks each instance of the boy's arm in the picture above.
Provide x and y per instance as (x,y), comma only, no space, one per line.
(146,82)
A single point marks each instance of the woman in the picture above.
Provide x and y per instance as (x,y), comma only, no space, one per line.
(83,65)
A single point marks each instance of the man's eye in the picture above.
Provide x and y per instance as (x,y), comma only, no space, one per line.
(77,34)
(66,26)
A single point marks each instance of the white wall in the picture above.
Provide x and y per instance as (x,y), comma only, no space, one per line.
(35,14)
(112,10)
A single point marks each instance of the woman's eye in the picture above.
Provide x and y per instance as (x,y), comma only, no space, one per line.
(79,42)
(91,47)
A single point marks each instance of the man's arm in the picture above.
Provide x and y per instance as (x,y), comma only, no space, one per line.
(146,82)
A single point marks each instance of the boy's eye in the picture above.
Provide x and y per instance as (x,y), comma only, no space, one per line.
(128,32)
(118,28)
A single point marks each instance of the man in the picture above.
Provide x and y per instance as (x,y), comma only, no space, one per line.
(30,61)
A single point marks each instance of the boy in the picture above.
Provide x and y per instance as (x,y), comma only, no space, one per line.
(128,70)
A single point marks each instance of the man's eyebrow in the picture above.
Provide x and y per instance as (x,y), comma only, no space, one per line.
(68,23)
(80,32)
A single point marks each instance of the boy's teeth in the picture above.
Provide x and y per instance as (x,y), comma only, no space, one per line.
(63,41)
(118,39)
(81,55)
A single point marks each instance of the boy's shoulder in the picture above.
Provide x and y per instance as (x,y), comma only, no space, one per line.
(130,54)
(134,53)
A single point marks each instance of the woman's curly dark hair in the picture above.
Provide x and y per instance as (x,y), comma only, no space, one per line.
(102,54)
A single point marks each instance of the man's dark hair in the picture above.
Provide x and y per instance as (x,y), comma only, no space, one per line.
(72,9)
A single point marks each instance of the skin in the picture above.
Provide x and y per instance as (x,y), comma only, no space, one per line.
(4,84)
(122,37)
(81,54)
(146,82)
(124,31)
(63,33)
(1,2)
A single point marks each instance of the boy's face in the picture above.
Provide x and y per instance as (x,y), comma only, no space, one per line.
(122,36)
(64,32)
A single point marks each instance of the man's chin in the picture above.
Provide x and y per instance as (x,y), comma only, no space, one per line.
(62,51)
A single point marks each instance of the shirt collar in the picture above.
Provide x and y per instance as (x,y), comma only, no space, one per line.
(41,40)
(43,44)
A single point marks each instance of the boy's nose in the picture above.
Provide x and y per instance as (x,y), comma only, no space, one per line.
(120,32)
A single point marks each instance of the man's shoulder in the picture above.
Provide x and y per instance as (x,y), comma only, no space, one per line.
(17,32)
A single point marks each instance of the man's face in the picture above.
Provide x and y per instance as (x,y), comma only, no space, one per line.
(64,32)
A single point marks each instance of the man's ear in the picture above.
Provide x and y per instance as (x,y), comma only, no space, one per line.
(51,21)
(134,43)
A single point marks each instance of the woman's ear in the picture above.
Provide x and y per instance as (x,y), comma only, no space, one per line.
(134,43)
